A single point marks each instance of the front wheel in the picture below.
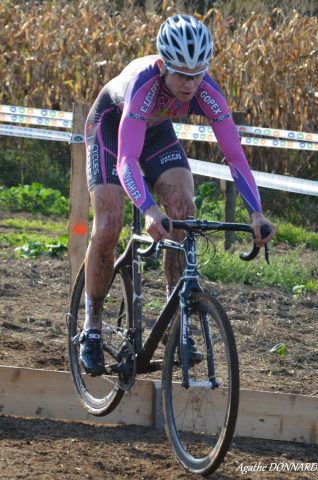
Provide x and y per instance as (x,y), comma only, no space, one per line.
(100,395)
(200,420)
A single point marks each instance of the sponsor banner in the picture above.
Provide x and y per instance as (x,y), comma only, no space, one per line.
(268,180)
(201,133)
(208,137)
(272,132)
(76,138)
(288,139)
(213,170)
(36,112)
(186,129)
(183,129)
(41,121)
(278,143)
(281,138)
(41,134)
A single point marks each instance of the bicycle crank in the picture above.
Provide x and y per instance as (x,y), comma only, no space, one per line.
(127,366)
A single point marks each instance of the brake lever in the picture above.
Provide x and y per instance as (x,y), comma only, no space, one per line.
(265,231)
(266,253)
(153,248)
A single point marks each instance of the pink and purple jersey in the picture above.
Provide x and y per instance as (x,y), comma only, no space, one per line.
(140,95)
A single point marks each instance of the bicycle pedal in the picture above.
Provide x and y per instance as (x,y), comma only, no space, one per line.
(76,339)
(93,375)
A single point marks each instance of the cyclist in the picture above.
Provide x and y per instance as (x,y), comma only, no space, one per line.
(132,148)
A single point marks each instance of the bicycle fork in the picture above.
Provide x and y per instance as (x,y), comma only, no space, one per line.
(191,284)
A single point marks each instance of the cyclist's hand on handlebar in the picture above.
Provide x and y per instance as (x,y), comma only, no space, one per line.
(258,220)
(153,223)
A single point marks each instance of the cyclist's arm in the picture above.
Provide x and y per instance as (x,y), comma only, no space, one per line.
(132,180)
(131,136)
(230,145)
(212,103)
(133,183)
(229,142)
(139,103)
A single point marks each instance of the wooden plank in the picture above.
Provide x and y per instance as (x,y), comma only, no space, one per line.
(278,416)
(50,394)
(79,198)
(267,415)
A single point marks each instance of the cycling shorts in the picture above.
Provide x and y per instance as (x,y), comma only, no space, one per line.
(161,150)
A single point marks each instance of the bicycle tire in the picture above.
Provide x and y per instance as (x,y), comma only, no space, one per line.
(99,395)
(200,422)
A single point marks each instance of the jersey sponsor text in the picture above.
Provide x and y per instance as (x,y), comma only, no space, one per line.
(136,116)
(131,184)
(149,97)
(170,157)
(215,107)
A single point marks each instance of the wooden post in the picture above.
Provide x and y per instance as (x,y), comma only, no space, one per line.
(79,198)
(230,195)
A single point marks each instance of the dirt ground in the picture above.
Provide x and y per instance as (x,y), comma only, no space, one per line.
(34,297)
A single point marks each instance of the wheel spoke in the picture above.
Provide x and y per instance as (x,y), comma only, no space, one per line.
(100,395)
(200,420)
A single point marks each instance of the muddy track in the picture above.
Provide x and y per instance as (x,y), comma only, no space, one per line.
(34,300)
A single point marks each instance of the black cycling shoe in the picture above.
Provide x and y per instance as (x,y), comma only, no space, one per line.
(195,355)
(91,352)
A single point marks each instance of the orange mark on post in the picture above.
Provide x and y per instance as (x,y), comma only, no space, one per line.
(80,229)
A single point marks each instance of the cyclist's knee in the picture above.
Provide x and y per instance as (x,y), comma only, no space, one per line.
(181,209)
(106,231)
(108,206)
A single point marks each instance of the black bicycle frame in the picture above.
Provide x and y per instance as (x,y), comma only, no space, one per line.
(131,258)
(180,296)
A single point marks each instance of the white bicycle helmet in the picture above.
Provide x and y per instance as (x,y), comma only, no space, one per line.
(184,41)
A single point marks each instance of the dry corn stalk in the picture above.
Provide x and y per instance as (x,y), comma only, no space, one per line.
(54,53)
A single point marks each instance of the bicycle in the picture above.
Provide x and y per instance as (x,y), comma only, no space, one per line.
(200,400)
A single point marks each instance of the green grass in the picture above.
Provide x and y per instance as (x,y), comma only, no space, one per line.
(155,305)
(34,198)
(13,239)
(292,235)
(59,228)
(285,270)
(55,249)
(34,237)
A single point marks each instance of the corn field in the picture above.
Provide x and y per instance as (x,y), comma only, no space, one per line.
(53,53)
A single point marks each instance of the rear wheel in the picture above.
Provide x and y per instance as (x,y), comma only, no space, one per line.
(100,395)
(200,420)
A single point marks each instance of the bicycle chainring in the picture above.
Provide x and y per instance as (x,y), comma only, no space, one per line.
(127,366)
